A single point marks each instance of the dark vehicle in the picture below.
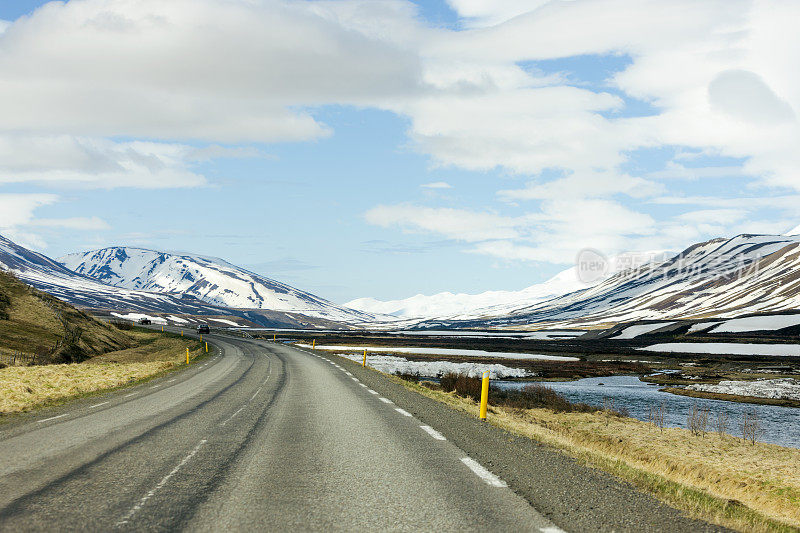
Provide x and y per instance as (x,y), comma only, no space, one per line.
(145,321)
(203,328)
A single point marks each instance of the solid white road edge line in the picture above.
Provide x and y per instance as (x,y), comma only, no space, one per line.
(403,412)
(433,433)
(481,472)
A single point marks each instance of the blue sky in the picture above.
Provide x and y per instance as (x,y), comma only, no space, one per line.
(541,142)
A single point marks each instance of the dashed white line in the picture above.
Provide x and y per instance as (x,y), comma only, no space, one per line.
(363,385)
(256,394)
(348,373)
(372,392)
(160,485)
(233,415)
(97,405)
(551,529)
(52,418)
(385,400)
(403,412)
(170,381)
(481,472)
(433,433)
(354,379)
(131,394)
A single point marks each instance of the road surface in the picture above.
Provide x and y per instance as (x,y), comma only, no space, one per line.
(264,436)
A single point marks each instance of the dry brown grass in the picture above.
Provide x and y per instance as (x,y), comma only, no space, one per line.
(720,479)
(27,388)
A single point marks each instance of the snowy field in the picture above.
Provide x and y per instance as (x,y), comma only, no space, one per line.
(728,348)
(785,388)
(546,335)
(138,316)
(757,323)
(442,351)
(631,332)
(434,369)
(223,321)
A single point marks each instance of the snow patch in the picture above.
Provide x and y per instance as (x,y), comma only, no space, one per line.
(442,351)
(435,369)
(757,323)
(727,348)
(631,332)
(785,388)
(138,316)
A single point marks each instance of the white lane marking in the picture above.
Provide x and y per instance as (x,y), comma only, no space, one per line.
(355,379)
(170,381)
(256,394)
(155,386)
(363,385)
(552,529)
(348,373)
(233,415)
(160,485)
(131,394)
(97,405)
(385,400)
(52,418)
(403,412)
(372,392)
(481,472)
(433,433)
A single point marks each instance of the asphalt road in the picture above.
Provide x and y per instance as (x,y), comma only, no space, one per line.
(263,436)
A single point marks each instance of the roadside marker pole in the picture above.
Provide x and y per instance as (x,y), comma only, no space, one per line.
(484,395)
(314,344)
(181,333)
(206,347)
(274,337)
(187,356)
(365,358)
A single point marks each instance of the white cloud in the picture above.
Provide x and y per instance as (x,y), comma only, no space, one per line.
(76,223)
(436,185)
(457,224)
(17,209)
(96,163)
(218,70)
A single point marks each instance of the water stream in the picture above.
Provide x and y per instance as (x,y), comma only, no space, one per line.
(781,424)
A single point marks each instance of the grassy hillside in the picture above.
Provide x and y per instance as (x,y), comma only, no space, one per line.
(33,322)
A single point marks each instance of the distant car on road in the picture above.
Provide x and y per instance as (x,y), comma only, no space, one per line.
(145,321)
(203,328)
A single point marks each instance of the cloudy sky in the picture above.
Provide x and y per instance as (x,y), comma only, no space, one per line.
(387,148)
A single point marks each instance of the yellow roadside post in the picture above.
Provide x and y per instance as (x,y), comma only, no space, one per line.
(274,337)
(187,356)
(314,344)
(181,333)
(201,338)
(162,329)
(484,395)
(365,358)
(206,347)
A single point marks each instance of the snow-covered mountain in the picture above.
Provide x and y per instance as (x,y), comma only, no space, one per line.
(50,276)
(208,279)
(717,278)
(446,305)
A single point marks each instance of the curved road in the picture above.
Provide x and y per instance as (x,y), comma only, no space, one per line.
(263,436)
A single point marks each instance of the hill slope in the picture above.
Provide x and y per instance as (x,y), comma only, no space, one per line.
(210,280)
(36,323)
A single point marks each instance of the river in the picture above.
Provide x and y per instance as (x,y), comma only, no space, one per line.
(781,425)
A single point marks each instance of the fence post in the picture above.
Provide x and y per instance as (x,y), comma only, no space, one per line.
(484,395)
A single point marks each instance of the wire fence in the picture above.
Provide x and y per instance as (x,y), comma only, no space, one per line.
(18,358)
